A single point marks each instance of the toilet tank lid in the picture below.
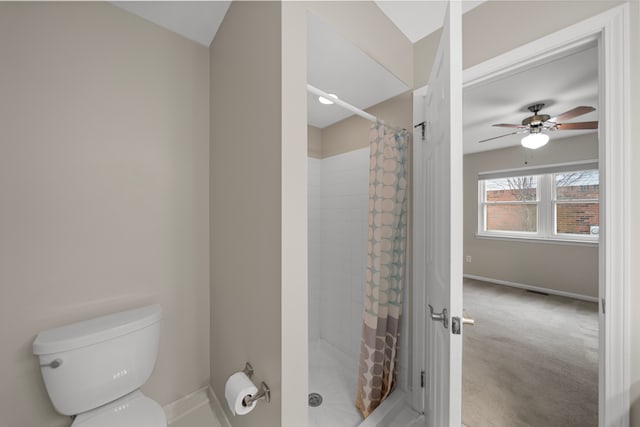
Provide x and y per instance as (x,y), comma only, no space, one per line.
(88,332)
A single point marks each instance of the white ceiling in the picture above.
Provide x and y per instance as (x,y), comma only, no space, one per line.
(195,20)
(335,65)
(199,20)
(418,19)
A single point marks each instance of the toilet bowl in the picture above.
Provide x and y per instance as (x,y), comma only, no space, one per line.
(93,369)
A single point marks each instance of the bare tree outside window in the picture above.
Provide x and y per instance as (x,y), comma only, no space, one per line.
(512,203)
(571,202)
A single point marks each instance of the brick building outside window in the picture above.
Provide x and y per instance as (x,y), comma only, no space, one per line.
(555,205)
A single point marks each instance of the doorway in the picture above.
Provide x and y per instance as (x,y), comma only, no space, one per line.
(608,30)
(531,218)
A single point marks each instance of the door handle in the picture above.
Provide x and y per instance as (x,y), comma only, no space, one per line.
(440,317)
(455,324)
(468,321)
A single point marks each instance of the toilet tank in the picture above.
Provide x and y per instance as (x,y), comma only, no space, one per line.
(87,364)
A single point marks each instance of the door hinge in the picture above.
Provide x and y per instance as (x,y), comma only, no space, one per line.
(603,306)
(422,379)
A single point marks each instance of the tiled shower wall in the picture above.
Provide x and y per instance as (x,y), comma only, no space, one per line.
(338,200)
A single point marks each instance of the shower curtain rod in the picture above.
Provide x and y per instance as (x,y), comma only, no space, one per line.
(341,103)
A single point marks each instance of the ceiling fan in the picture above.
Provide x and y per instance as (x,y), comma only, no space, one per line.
(534,125)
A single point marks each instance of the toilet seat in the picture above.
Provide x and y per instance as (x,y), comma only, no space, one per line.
(133,410)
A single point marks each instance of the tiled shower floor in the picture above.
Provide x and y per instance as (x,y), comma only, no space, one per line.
(332,374)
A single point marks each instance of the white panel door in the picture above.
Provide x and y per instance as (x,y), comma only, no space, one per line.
(438,227)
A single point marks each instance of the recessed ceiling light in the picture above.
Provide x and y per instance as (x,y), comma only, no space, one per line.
(326,101)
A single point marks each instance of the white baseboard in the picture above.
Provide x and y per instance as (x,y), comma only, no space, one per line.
(533,288)
(186,405)
(216,406)
(189,403)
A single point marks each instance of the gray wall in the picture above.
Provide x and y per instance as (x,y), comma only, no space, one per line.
(352,133)
(314,142)
(295,289)
(562,267)
(246,110)
(104,145)
(491,29)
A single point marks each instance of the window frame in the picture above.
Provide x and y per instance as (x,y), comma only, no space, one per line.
(554,209)
(483,203)
(546,205)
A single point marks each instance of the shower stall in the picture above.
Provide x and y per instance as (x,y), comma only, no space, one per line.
(339,235)
(338,188)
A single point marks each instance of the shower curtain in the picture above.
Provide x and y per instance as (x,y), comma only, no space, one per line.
(385,265)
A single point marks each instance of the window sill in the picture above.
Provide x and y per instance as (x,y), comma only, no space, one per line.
(544,240)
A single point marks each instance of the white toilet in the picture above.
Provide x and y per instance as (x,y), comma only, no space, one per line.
(93,369)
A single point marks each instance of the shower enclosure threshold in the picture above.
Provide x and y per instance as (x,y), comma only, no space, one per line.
(332,373)
(389,411)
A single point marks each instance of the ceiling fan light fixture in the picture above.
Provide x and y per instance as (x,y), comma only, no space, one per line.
(534,140)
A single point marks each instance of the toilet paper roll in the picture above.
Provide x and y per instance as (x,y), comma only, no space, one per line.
(238,387)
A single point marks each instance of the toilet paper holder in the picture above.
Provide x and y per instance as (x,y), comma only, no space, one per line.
(248,370)
(263,391)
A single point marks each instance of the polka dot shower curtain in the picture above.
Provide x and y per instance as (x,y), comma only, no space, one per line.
(385,265)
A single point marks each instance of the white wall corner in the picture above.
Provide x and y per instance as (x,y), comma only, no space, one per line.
(185,405)
(217,408)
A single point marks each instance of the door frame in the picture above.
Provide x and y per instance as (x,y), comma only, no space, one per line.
(419,360)
(610,30)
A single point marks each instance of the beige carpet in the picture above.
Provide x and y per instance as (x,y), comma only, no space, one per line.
(530,359)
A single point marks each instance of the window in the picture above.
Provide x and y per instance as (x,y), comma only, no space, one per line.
(511,204)
(558,202)
(576,203)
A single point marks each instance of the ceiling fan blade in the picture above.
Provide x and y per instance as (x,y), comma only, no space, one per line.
(576,126)
(496,137)
(578,111)
(507,125)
